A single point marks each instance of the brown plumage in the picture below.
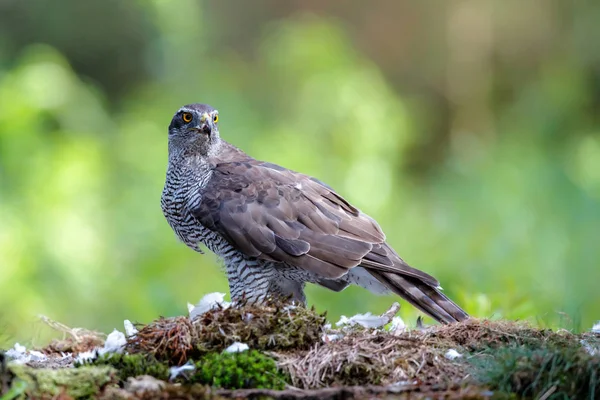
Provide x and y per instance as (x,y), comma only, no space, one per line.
(288,220)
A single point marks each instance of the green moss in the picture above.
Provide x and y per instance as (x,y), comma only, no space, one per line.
(78,383)
(245,370)
(560,372)
(132,365)
(250,369)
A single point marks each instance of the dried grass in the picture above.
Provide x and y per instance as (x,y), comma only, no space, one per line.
(373,358)
(75,340)
(478,334)
(169,339)
(273,327)
(378,357)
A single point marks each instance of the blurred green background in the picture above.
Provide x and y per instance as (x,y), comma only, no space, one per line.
(469,129)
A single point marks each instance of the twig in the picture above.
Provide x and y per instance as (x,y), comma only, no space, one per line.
(391,312)
(548,393)
(76,333)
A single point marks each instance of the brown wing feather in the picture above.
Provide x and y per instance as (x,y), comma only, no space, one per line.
(384,258)
(276,214)
(280,215)
(271,212)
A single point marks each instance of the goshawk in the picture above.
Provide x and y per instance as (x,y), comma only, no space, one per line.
(277,229)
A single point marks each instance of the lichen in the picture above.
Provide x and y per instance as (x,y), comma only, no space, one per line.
(78,383)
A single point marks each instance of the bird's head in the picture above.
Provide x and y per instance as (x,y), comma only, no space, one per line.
(194,129)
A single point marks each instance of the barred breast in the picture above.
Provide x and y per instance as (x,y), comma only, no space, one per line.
(248,278)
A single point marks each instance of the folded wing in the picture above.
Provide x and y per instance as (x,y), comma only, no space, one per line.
(276,214)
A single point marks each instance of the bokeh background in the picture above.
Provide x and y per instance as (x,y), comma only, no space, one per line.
(469,129)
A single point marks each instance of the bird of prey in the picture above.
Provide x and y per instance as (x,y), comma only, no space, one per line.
(276,229)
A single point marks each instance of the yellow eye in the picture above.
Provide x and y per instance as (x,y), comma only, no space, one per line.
(216,118)
(187,117)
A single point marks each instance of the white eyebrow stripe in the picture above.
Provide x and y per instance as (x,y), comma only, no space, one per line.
(192,110)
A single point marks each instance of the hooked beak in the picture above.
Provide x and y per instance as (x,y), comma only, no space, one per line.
(206,124)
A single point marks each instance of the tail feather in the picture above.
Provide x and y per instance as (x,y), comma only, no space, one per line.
(425,297)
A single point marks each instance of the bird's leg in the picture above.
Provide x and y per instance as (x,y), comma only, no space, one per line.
(288,289)
(249,280)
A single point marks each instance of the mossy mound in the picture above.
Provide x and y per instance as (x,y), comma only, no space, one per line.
(245,370)
(289,358)
(276,327)
(81,383)
(548,372)
(480,334)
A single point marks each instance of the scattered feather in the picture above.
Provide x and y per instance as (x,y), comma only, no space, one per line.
(236,347)
(596,327)
(86,356)
(115,343)
(130,330)
(398,326)
(18,354)
(367,320)
(330,337)
(207,303)
(17,351)
(452,354)
(174,372)
(37,355)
